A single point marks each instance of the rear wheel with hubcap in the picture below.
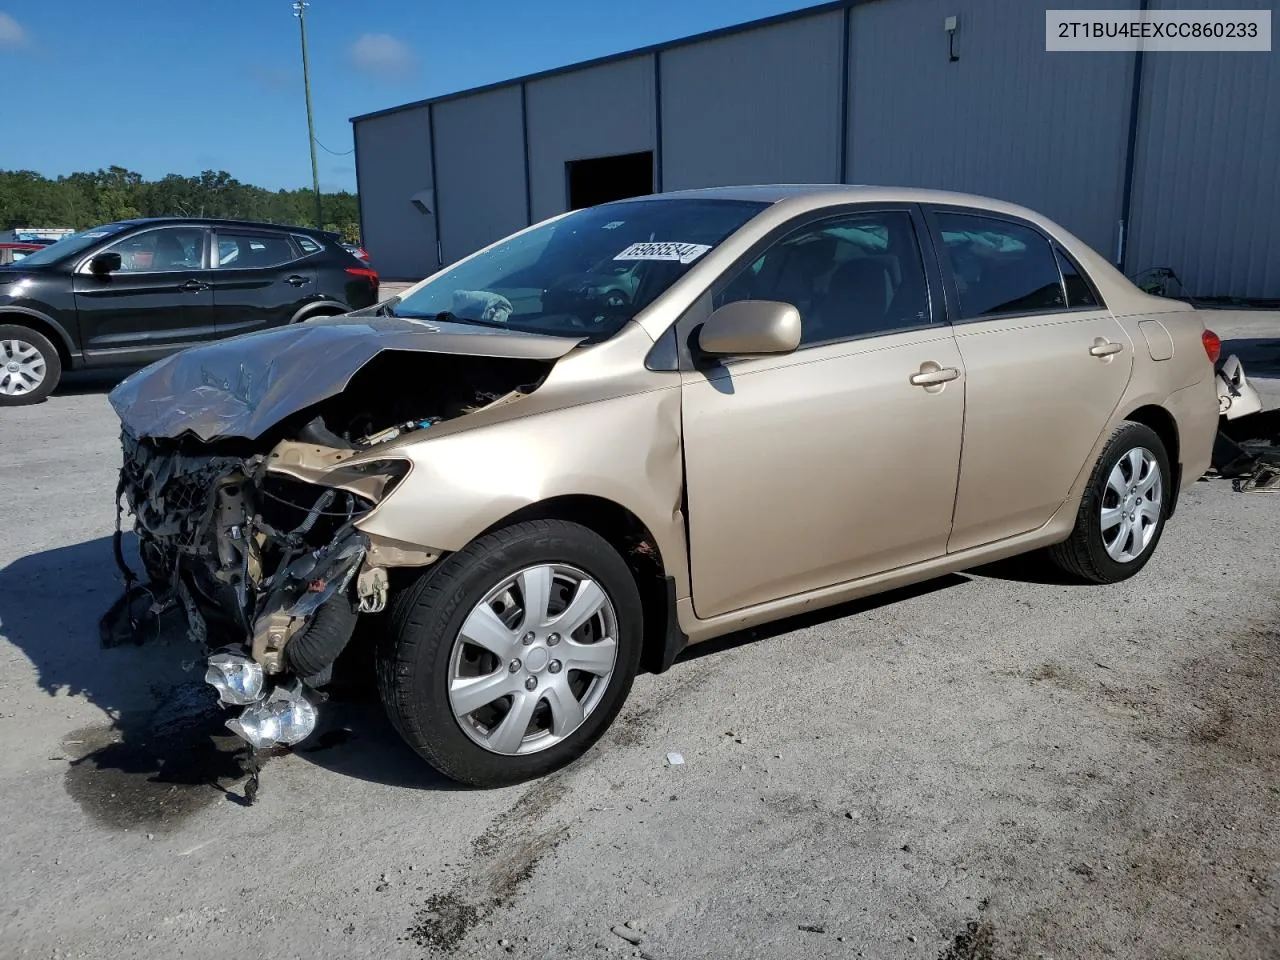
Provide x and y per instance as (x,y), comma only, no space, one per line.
(29,366)
(1123,509)
(512,658)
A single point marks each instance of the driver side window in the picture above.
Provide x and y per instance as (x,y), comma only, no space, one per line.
(851,277)
(157,251)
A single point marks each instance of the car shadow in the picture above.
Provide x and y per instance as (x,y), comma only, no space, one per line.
(98,380)
(1027,568)
(815,617)
(163,752)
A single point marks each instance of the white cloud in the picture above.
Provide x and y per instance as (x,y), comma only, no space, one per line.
(383,55)
(11,32)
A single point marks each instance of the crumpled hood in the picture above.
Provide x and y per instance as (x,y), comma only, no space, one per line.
(243,386)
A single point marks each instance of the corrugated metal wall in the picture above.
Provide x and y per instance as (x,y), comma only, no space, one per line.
(1006,119)
(601,111)
(393,162)
(480,181)
(1206,198)
(757,107)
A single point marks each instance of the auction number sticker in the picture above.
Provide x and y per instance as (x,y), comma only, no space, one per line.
(678,252)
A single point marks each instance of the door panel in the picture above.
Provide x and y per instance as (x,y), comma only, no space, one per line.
(1046,365)
(159,300)
(1036,402)
(259,281)
(820,467)
(144,310)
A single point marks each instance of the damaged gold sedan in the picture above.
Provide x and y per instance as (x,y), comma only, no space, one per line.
(641,425)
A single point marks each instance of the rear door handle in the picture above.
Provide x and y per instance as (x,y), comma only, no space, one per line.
(193,285)
(295,280)
(931,374)
(1105,348)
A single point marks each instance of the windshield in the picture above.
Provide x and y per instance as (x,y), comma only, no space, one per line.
(71,244)
(585,274)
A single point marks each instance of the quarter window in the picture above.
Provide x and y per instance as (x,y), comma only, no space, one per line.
(242,251)
(1079,292)
(307,245)
(855,276)
(1000,267)
(162,250)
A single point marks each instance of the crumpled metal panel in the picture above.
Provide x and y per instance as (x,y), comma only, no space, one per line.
(242,386)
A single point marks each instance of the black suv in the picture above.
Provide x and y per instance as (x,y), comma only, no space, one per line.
(129,293)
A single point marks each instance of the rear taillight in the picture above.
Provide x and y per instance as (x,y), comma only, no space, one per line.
(1212,345)
(369,274)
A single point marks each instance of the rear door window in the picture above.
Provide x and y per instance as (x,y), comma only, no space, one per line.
(999,267)
(247,251)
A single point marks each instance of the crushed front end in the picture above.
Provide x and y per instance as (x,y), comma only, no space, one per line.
(248,468)
(270,570)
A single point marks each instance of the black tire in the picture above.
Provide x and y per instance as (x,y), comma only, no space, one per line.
(413,663)
(1084,553)
(48,356)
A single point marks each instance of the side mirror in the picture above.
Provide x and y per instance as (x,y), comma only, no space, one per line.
(751,328)
(104,263)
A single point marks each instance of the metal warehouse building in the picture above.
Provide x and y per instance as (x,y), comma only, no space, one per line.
(1155,159)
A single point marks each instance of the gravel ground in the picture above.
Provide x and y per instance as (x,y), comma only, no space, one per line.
(990,766)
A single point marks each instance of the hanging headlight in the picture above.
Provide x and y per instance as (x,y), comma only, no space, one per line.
(285,716)
(238,679)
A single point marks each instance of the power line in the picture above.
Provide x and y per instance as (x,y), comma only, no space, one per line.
(335,152)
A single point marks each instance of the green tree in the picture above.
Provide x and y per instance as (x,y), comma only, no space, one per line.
(83,199)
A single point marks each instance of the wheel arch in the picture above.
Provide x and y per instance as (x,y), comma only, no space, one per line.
(327,308)
(639,549)
(1166,428)
(61,340)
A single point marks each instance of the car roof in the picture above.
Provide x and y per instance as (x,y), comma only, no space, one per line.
(222,222)
(816,195)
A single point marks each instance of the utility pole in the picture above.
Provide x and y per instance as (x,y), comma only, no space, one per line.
(300,11)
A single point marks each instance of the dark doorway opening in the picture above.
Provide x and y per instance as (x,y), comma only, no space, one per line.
(602,179)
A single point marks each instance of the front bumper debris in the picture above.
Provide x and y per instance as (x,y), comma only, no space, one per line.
(268,569)
(248,468)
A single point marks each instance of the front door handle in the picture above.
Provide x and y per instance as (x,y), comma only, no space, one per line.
(295,280)
(191,286)
(931,374)
(1105,348)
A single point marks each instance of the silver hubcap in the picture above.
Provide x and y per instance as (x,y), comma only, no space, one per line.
(1131,505)
(533,659)
(21,367)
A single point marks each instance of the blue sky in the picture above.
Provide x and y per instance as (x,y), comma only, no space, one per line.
(179,86)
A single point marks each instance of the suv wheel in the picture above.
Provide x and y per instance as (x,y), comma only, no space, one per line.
(511,658)
(29,366)
(1123,510)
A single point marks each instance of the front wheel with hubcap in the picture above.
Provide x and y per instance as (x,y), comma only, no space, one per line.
(29,366)
(514,656)
(1123,509)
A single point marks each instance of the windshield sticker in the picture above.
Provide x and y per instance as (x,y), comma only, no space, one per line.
(679,252)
